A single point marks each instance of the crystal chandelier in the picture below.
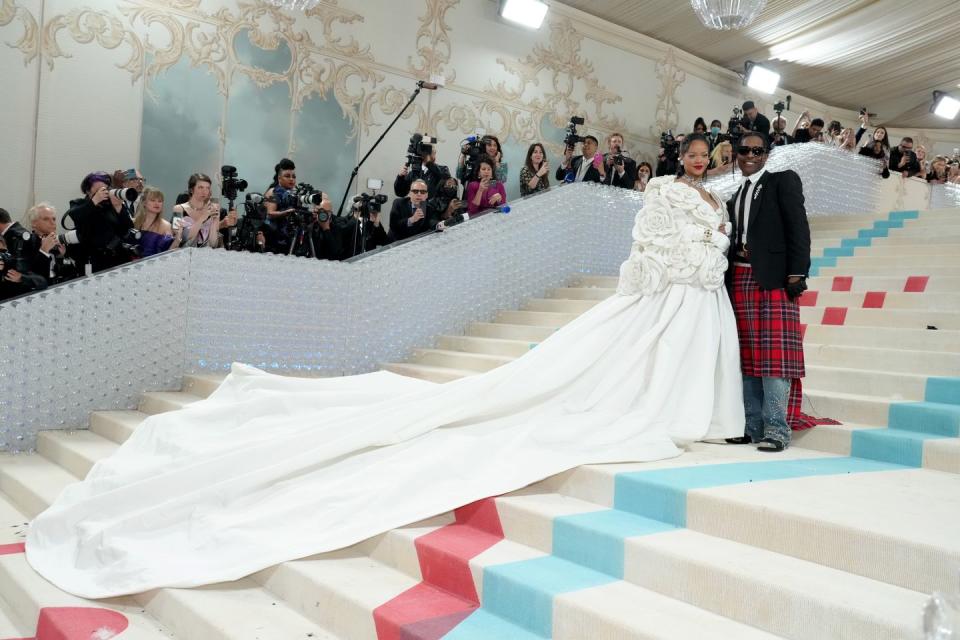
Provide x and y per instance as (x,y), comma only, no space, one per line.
(294,5)
(727,14)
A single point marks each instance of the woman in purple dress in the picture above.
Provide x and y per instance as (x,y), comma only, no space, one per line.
(156,234)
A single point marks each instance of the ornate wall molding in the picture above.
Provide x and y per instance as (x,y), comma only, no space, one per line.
(671,77)
(29,42)
(433,42)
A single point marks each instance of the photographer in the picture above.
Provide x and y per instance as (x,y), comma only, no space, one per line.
(668,157)
(103,225)
(587,167)
(486,192)
(753,120)
(421,165)
(16,260)
(446,205)
(47,248)
(903,159)
(489,146)
(408,215)
(807,130)
(368,234)
(780,136)
(535,174)
(201,215)
(621,169)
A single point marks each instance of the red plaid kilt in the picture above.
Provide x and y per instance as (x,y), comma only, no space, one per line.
(768,323)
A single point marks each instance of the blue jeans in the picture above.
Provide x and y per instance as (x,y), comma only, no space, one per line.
(765,405)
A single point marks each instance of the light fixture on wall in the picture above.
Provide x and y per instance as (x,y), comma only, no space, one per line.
(944,105)
(294,5)
(760,78)
(723,15)
(528,13)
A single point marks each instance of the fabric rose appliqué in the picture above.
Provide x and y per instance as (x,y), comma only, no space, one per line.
(712,269)
(681,196)
(655,225)
(643,273)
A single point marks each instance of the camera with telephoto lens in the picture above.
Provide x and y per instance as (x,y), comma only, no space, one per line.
(420,144)
(571,137)
(302,197)
(129,194)
(366,203)
(253,221)
(230,184)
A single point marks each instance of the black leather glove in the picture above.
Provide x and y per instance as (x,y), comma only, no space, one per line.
(796,289)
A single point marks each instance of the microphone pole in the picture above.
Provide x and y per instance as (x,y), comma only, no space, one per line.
(421,84)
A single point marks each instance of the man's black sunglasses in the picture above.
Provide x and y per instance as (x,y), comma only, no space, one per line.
(757,151)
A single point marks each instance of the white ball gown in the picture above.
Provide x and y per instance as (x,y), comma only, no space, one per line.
(271,468)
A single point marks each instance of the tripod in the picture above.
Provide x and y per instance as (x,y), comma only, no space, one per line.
(301,244)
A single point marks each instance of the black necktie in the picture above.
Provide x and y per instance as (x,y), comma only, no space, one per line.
(743,212)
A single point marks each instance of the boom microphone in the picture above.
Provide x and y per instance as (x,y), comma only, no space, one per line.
(424,84)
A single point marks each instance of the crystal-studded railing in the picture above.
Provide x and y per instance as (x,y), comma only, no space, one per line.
(945,196)
(98,342)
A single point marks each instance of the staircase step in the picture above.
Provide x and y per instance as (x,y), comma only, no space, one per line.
(890,270)
(891,283)
(10,624)
(891,252)
(509,331)
(13,522)
(581,293)
(898,240)
(75,451)
(560,305)
(887,385)
(427,372)
(846,407)
(32,482)
(599,282)
(202,384)
(900,260)
(153,402)
(895,318)
(476,362)
(884,337)
(535,318)
(942,455)
(888,300)
(489,346)
(932,363)
(116,425)
(240,610)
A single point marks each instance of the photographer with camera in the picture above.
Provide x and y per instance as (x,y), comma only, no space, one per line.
(408,215)
(368,232)
(103,228)
(535,174)
(903,159)
(807,130)
(668,156)
(470,154)
(486,192)
(780,137)
(421,165)
(17,259)
(621,169)
(586,167)
(877,147)
(753,120)
(446,208)
(47,248)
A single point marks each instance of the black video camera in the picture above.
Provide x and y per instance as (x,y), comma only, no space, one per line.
(366,203)
(127,246)
(472,148)
(572,137)
(420,145)
(230,184)
(8,261)
(733,125)
(669,144)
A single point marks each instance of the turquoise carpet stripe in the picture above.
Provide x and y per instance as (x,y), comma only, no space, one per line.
(522,592)
(873,233)
(890,445)
(481,625)
(662,494)
(943,390)
(856,242)
(595,539)
(939,419)
(904,215)
(888,224)
(838,252)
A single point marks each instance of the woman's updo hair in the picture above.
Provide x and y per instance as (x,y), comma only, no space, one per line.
(286,164)
(690,139)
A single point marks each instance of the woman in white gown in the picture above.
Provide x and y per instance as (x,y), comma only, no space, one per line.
(269,468)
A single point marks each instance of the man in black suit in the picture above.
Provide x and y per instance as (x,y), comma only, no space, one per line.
(770,260)
(753,120)
(410,215)
(16,277)
(624,173)
(903,159)
(581,168)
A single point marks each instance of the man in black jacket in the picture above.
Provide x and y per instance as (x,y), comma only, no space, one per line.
(770,260)
(903,159)
(16,275)
(581,168)
(432,173)
(101,222)
(624,173)
(753,120)
(409,216)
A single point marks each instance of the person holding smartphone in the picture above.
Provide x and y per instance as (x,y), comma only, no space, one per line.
(486,192)
(200,215)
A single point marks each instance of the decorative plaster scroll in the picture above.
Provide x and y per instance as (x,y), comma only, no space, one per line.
(29,42)
(671,77)
(433,42)
(86,26)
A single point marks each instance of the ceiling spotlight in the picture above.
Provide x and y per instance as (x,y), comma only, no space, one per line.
(944,105)
(760,78)
(528,13)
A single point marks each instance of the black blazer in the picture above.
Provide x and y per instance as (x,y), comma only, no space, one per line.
(778,234)
(629,174)
(592,174)
(400,211)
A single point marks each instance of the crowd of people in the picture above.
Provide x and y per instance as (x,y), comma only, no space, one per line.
(119,218)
